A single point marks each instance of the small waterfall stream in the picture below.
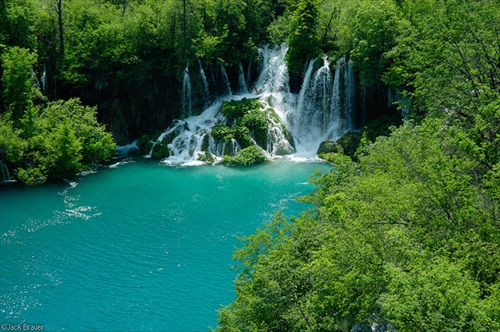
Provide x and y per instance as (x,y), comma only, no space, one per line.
(206,92)
(44,81)
(225,81)
(242,84)
(186,93)
(325,109)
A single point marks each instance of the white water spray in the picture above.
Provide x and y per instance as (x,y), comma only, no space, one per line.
(242,84)
(206,92)
(186,93)
(323,110)
(225,80)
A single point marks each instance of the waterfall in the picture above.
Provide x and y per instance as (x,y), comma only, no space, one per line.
(350,96)
(273,86)
(336,99)
(343,100)
(206,93)
(34,79)
(186,93)
(242,84)
(322,94)
(249,73)
(305,84)
(274,76)
(312,118)
(5,174)
(225,80)
(44,81)
(324,109)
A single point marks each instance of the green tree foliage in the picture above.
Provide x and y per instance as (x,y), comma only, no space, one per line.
(447,54)
(55,141)
(17,80)
(250,155)
(406,237)
(18,28)
(303,35)
(372,31)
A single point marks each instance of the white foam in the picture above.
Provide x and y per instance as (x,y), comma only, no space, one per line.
(124,150)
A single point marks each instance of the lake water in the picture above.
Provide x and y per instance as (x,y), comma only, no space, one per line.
(136,246)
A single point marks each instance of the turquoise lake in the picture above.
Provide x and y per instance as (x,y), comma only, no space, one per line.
(135,246)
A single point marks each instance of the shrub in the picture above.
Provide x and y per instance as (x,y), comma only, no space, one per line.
(144,144)
(249,156)
(160,151)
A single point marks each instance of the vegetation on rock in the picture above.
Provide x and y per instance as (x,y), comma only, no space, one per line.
(248,156)
(247,122)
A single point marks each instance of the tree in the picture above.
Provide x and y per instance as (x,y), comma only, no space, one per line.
(56,140)
(17,80)
(303,35)
(66,150)
(406,237)
(18,23)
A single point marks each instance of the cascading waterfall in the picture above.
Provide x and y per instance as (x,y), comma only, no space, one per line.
(186,93)
(4,171)
(242,84)
(312,117)
(323,110)
(305,85)
(336,106)
(206,92)
(350,96)
(225,80)
(35,81)
(343,99)
(249,74)
(274,78)
(44,81)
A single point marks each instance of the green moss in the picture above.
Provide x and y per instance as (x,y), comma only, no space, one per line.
(206,157)
(205,143)
(249,156)
(222,133)
(160,151)
(144,144)
(242,135)
(249,123)
(236,109)
(328,147)
(257,122)
(350,142)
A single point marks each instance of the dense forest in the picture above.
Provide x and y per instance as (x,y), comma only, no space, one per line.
(403,232)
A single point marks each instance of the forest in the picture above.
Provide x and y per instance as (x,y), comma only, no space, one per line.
(403,234)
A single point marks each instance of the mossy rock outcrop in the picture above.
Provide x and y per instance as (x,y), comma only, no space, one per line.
(249,122)
(206,157)
(349,142)
(329,147)
(144,144)
(249,156)
(236,109)
(160,151)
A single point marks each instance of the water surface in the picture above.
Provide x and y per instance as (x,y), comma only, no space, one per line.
(136,246)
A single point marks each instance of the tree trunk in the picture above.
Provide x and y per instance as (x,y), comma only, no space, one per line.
(61,28)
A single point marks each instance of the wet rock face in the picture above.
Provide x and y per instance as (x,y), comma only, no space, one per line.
(134,109)
(330,147)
